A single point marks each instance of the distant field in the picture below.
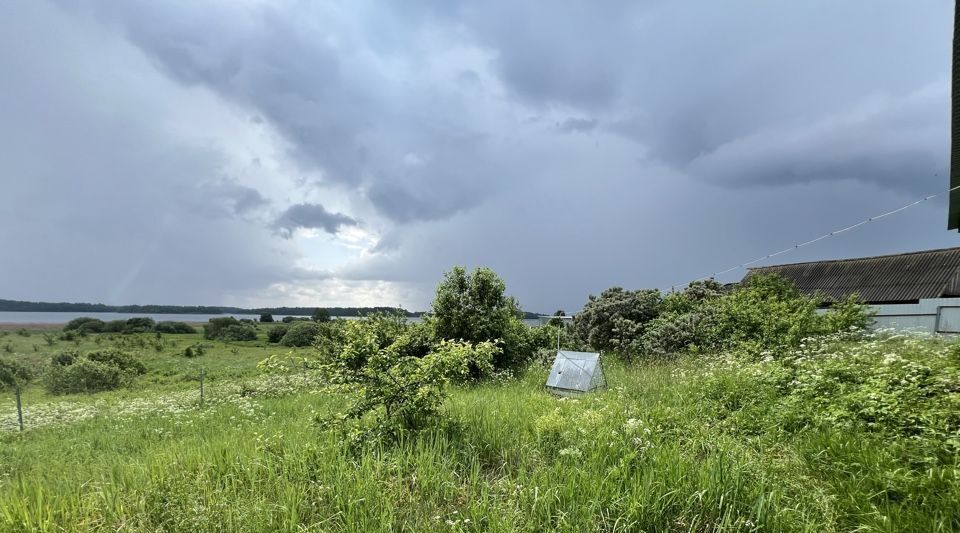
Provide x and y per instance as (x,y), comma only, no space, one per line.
(681,446)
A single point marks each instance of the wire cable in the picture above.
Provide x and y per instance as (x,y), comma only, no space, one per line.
(822,237)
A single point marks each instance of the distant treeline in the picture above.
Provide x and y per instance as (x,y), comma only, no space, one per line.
(58,307)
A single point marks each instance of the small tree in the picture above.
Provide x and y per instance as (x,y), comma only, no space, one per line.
(321,315)
(266,317)
(475,308)
(300,334)
(402,392)
(617,319)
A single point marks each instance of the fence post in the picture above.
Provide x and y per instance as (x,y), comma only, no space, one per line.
(19,409)
(202,373)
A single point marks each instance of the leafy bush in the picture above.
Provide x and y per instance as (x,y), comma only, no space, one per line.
(289,319)
(321,315)
(13,373)
(64,358)
(194,350)
(617,319)
(174,327)
(276,333)
(122,360)
(902,388)
(85,323)
(238,332)
(229,329)
(768,312)
(402,392)
(266,317)
(114,326)
(301,334)
(93,372)
(140,324)
(474,308)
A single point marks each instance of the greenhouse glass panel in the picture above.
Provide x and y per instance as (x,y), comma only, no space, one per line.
(575,372)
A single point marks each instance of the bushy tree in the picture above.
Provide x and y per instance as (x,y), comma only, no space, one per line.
(96,371)
(767,312)
(13,373)
(617,319)
(174,327)
(301,334)
(266,317)
(401,392)
(474,307)
(114,326)
(321,315)
(276,333)
(140,324)
(86,324)
(228,328)
(238,332)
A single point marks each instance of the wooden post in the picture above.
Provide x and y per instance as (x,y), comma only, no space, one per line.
(19,409)
(202,373)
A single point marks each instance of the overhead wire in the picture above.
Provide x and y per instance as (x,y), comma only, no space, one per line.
(822,237)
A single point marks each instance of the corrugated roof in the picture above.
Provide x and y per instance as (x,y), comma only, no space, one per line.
(882,279)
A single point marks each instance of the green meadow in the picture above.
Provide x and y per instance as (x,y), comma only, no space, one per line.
(836,435)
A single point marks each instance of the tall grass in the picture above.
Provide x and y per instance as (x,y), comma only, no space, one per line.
(680,446)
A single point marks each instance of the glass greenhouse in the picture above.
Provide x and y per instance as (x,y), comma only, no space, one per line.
(575,373)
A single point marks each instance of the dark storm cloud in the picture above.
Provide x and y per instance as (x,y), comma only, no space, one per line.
(313,216)
(303,68)
(736,83)
(670,139)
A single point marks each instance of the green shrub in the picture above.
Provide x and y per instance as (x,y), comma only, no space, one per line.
(114,326)
(403,393)
(617,319)
(85,323)
(84,376)
(122,360)
(174,327)
(96,371)
(238,332)
(289,319)
(216,325)
(64,358)
(474,307)
(13,373)
(266,317)
(301,334)
(140,324)
(768,312)
(194,350)
(276,333)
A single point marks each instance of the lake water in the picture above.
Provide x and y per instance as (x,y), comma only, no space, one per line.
(19,317)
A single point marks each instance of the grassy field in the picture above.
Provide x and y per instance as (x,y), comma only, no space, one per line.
(691,445)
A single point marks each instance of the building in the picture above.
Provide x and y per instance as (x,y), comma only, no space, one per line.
(918,291)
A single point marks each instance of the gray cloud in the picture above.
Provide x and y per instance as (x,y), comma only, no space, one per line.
(313,216)
(577,125)
(158,149)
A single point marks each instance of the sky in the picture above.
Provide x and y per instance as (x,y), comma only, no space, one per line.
(315,153)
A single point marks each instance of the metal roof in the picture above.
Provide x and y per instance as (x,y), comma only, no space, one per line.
(882,279)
